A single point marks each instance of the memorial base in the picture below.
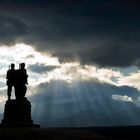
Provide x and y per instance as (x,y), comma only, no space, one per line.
(17,113)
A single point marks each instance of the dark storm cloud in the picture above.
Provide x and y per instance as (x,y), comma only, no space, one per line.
(11,29)
(102,32)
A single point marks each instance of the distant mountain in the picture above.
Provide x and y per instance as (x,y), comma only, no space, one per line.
(83,118)
(131,116)
(93,117)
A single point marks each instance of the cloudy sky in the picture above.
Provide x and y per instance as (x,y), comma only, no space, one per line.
(82,58)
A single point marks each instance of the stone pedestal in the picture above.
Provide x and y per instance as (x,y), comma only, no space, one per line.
(17,113)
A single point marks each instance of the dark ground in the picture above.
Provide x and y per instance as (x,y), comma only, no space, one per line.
(89,133)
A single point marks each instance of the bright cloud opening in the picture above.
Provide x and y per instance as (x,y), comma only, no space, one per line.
(68,72)
(124,98)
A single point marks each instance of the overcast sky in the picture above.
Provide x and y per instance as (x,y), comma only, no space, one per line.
(81,55)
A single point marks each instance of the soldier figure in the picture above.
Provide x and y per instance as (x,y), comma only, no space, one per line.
(11,73)
(21,81)
(18,80)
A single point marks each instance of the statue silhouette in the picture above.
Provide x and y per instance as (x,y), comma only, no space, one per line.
(18,80)
(17,112)
(21,81)
(10,76)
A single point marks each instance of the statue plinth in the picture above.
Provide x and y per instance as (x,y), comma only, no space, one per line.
(17,113)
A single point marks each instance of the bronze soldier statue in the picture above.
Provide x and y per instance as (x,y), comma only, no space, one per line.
(17,112)
(18,80)
(21,81)
(10,76)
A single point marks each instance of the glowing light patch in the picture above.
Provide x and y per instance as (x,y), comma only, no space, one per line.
(132,80)
(124,98)
(23,53)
